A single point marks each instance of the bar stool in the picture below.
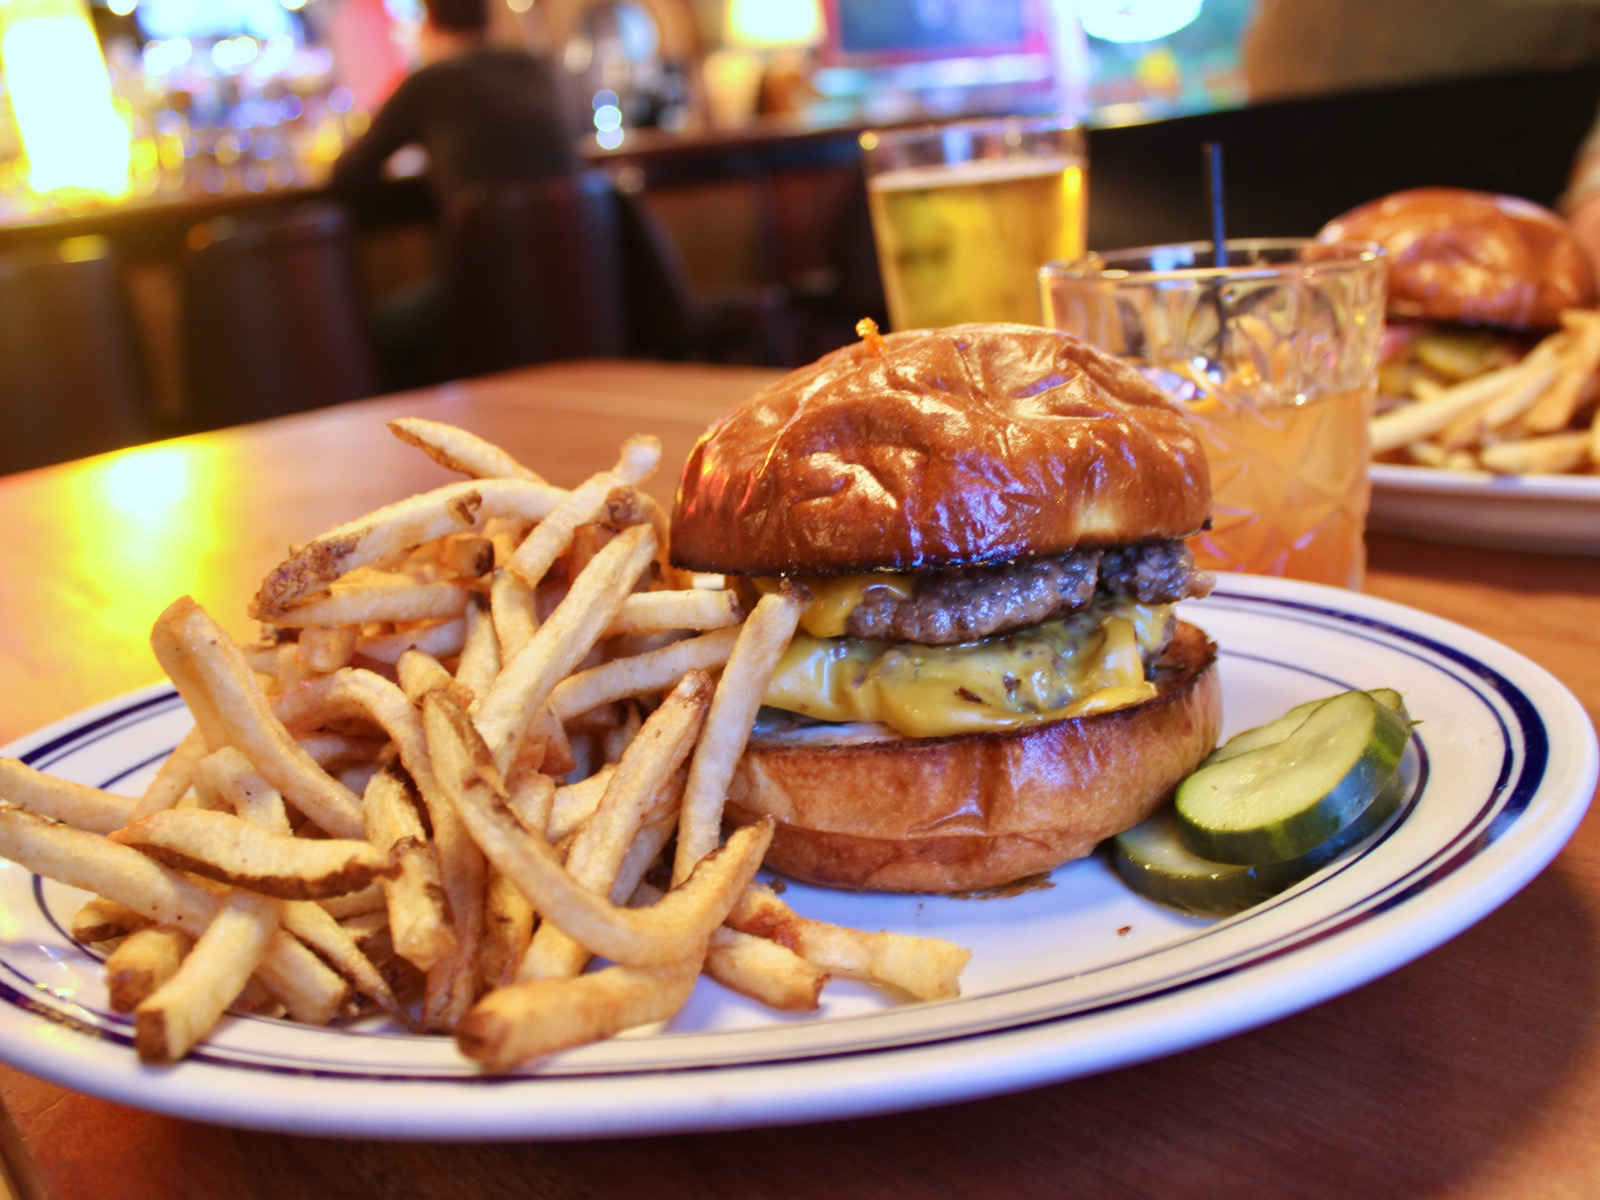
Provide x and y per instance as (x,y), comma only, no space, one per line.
(72,372)
(532,271)
(272,318)
(669,319)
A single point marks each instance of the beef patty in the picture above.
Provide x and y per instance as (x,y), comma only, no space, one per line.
(974,602)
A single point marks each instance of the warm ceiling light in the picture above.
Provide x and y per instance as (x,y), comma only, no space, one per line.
(1136,20)
(770,24)
(61,96)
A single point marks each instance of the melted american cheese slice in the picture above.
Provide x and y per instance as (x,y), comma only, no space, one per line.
(1086,663)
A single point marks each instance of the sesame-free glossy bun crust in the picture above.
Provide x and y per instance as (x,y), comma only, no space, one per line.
(1459,255)
(972,444)
(980,810)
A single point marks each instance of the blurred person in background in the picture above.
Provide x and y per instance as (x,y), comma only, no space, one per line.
(482,113)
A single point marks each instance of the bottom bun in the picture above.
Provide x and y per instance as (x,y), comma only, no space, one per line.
(976,811)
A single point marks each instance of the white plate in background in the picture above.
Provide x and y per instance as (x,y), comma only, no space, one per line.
(1550,514)
(1077,978)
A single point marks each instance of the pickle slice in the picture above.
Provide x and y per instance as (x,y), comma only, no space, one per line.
(1282,800)
(1152,860)
(1274,732)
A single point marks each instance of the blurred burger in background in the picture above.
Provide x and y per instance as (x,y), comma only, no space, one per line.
(1493,341)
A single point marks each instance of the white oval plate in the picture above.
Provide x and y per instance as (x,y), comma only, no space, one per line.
(1076,978)
(1552,514)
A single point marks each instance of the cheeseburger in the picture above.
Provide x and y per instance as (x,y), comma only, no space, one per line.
(990,677)
(1474,279)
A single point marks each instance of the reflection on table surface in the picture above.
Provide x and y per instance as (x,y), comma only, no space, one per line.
(1472,1072)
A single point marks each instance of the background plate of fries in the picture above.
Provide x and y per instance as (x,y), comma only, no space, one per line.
(1068,976)
(1551,514)
(1486,447)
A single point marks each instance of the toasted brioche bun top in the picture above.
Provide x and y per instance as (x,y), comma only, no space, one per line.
(1459,255)
(937,448)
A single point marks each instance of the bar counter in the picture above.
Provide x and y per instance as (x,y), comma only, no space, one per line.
(1473,1072)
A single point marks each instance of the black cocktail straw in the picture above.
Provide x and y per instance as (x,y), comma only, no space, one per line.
(1219,236)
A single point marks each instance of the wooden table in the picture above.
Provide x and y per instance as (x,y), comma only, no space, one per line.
(1473,1072)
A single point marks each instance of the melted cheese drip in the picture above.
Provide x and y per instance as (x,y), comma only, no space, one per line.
(1086,663)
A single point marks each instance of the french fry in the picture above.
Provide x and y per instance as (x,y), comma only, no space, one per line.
(614,742)
(1553,453)
(452,978)
(507,931)
(459,451)
(1473,427)
(531,796)
(442,639)
(511,605)
(102,920)
(184,1008)
(764,971)
(1415,422)
(652,671)
(925,968)
(479,661)
(546,739)
(762,640)
(75,803)
(370,932)
(144,961)
(369,899)
(174,776)
(516,1024)
(230,775)
(600,846)
(312,924)
(310,991)
(231,850)
(526,681)
(465,555)
(336,751)
(390,531)
(657,612)
(345,605)
(354,692)
(322,648)
(757,967)
(670,931)
(1556,408)
(586,503)
(319,930)
(574,803)
(419,914)
(229,705)
(420,672)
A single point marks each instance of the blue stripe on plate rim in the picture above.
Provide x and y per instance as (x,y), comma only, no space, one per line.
(1518,779)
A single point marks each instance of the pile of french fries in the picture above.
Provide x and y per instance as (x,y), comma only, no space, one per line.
(1539,415)
(472,777)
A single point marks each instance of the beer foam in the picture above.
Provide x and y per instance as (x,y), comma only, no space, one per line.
(979,171)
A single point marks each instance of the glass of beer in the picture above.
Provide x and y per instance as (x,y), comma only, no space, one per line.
(1274,354)
(964,213)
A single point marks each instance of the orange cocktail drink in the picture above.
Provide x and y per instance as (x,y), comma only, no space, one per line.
(1274,356)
